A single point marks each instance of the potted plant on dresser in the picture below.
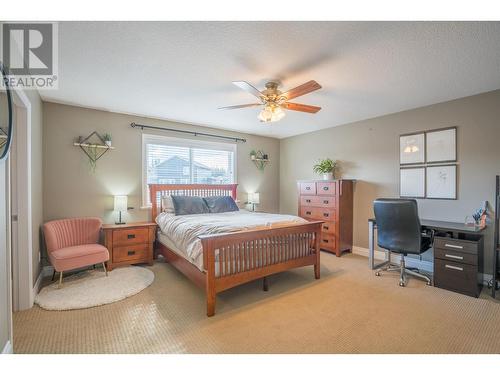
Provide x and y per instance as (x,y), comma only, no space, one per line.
(326,167)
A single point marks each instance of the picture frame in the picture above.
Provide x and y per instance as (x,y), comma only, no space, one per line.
(441,182)
(412,148)
(412,182)
(441,145)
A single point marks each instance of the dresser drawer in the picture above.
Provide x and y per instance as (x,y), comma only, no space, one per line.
(317,201)
(328,227)
(327,241)
(308,188)
(317,213)
(463,246)
(455,256)
(458,277)
(326,188)
(132,236)
(133,252)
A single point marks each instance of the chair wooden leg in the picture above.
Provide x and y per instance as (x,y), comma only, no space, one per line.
(60,279)
(105,269)
(265,284)
(53,275)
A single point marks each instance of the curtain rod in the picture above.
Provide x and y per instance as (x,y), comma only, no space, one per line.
(141,126)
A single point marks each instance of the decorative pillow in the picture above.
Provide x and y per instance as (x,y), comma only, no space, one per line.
(221,204)
(184,205)
(167,205)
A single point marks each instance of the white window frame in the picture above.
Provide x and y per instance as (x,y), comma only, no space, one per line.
(181,142)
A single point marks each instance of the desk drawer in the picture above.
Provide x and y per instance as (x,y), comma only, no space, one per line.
(317,213)
(326,188)
(317,201)
(458,277)
(462,246)
(455,256)
(308,188)
(132,236)
(128,253)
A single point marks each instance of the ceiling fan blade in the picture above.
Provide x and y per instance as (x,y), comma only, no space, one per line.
(306,88)
(301,107)
(249,88)
(241,106)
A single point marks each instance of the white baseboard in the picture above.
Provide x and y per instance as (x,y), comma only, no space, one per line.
(420,264)
(8,349)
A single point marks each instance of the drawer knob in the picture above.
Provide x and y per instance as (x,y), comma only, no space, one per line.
(325,188)
(453,246)
(325,241)
(308,188)
(453,267)
(325,202)
(325,214)
(326,227)
(130,252)
(308,200)
(130,236)
(308,212)
(453,256)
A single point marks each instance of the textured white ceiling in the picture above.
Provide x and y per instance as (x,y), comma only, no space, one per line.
(182,71)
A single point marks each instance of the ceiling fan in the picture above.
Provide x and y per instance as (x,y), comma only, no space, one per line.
(274,101)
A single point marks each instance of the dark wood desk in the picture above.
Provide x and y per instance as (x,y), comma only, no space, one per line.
(458,247)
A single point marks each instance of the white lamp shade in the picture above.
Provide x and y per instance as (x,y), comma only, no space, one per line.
(254,198)
(121,203)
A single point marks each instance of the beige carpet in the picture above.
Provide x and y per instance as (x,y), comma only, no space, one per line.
(348,311)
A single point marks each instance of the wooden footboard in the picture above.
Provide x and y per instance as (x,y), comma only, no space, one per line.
(236,258)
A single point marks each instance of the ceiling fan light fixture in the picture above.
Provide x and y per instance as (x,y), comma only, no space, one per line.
(271,113)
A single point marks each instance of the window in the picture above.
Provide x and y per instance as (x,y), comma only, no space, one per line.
(179,161)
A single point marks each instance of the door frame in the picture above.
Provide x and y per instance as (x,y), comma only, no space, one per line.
(23,293)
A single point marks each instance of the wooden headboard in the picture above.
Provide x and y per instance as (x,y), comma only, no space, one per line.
(194,190)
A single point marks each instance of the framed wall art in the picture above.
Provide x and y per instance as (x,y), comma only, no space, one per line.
(441,145)
(412,182)
(441,182)
(412,148)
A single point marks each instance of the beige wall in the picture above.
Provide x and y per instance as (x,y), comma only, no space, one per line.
(71,190)
(368,151)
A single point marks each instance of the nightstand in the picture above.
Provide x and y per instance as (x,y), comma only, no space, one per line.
(129,243)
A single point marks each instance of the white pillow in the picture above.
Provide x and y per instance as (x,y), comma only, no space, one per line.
(167,204)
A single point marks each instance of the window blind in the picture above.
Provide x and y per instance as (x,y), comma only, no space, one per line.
(179,161)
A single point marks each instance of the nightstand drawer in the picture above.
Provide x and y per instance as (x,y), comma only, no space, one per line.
(127,253)
(123,237)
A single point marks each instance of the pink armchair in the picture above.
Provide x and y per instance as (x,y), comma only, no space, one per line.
(73,243)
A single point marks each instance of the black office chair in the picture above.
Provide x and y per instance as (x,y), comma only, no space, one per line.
(399,231)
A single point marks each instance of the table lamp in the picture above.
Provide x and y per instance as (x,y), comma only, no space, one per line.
(253,199)
(121,204)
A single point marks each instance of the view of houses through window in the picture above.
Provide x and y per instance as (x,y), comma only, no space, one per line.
(171,161)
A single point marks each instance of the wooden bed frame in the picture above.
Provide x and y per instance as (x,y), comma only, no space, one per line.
(236,258)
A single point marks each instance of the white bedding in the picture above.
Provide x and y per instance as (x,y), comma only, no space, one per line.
(183,231)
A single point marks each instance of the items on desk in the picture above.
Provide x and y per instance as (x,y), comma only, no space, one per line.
(478,217)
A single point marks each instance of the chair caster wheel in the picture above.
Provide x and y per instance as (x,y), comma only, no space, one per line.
(402,284)
(377,273)
(428,284)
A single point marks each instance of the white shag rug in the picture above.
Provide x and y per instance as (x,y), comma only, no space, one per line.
(92,288)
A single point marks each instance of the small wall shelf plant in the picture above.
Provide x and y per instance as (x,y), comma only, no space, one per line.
(259,158)
(327,167)
(94,146)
